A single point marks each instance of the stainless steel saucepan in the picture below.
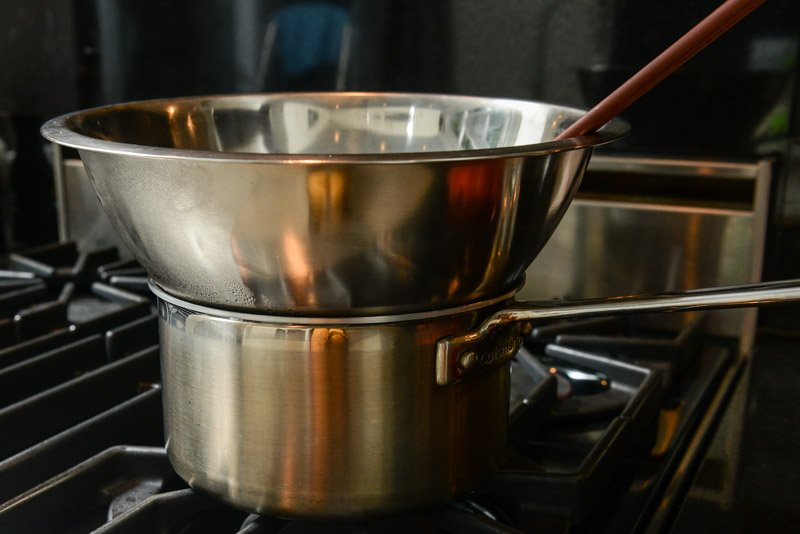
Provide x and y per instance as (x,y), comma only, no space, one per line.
(335,275)
(343,418)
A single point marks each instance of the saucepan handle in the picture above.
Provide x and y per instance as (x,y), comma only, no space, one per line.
(500,336)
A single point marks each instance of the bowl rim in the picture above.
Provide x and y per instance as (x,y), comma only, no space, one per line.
(61,130)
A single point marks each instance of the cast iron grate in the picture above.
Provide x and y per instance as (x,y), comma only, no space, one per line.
(80,409)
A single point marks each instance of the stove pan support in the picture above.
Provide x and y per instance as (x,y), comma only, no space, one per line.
(574,493)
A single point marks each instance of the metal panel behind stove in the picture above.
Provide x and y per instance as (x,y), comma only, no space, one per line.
(644,225)
(80,216)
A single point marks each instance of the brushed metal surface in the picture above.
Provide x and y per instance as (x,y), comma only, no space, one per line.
(325,421)
(332,204)
(635,248)
(619,247)
(81,216)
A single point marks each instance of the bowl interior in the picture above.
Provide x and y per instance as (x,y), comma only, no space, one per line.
(326,124)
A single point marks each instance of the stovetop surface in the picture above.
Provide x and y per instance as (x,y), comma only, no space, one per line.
(748,476)
(605,416)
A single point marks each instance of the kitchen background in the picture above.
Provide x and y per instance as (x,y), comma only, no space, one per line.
(739,100)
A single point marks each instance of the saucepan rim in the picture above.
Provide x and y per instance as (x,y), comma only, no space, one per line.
(338,320)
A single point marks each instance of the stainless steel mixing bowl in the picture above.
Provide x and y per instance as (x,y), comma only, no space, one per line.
(332,204)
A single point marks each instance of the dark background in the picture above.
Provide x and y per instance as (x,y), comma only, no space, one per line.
(737,99)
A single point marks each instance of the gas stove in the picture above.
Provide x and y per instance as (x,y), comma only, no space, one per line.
(607,417)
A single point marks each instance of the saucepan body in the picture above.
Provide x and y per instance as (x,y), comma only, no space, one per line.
(326,420)
(358,417)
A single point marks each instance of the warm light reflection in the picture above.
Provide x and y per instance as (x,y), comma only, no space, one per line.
(693,252)
(298,269)
(297,266)
(667,425)
(329,406)
(706,171)
(327,199)
(693,247)
(455,283)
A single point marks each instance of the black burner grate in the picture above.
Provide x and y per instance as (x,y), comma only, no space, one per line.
(80,412)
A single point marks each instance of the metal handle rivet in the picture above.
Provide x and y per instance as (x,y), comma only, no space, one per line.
(467,360)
